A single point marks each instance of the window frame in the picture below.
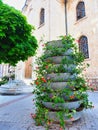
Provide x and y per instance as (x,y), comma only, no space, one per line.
(80,12)
(42,16)
(83,47)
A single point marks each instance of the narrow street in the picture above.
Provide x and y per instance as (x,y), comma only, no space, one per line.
(15,114)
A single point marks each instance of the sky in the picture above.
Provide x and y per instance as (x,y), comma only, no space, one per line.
(18,4)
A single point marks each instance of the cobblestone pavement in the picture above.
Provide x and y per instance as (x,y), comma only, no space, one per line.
(15,114)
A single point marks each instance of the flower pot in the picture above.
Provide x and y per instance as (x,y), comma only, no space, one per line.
(71,96)
(61,77)
(58,52)
(54,117)
(70,67)
(60,106)
(58,59)
(58,85)
(58,76)
(62,68)
(57,43)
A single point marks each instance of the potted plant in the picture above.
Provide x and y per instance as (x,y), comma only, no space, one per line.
(60,86)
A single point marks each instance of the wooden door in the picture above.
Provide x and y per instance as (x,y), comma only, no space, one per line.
(28,68)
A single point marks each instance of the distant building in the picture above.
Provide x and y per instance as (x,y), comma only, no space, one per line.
(3,70)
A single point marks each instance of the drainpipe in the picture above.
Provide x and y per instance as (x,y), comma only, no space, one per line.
(24,5)
(49,22)
(66,24)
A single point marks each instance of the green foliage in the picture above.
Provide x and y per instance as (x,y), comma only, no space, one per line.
(16,40)
(0,1)
(5,79)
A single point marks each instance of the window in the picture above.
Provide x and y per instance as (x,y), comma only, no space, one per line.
(83,46)
(80,10)
(42,16)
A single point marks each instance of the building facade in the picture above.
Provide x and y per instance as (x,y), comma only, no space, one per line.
(47,16)
(81,19)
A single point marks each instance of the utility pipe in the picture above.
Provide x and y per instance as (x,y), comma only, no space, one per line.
(66,24)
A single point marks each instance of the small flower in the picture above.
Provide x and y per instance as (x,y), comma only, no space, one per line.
(43,45)
(39,124)
(51,96)
(48,61)
(78,41)
(61,128)
(72,97)
(72,119)
(94,89)
(90,84)
(33,115)
(37,83)
(43,79)
(88,80)
(37,68)
(48,123)
(48,78)
(46,67)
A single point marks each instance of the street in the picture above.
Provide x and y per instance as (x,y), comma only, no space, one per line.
(15,114)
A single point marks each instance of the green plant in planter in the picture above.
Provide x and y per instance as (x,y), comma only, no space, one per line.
(60,85)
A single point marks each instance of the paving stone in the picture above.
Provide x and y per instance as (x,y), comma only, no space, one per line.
(16,114)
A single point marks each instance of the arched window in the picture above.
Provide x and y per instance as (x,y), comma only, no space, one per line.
(42,16)
(80,10)
(83,46)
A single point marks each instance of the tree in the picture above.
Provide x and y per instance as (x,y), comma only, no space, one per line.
(16,40)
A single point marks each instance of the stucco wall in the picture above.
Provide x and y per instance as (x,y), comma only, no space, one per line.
(54,18)
(87,26)
(53,27)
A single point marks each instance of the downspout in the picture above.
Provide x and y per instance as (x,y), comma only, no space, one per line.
(49,23)
(24,5)
(66,24)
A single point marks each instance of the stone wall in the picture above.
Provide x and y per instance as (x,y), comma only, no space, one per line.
(93,83)
(87,26)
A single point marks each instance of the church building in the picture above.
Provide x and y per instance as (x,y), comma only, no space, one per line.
(79,18)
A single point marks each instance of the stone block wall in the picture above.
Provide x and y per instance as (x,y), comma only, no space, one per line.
(93,83)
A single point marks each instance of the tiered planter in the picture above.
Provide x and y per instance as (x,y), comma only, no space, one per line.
(60,90)
(59,81)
